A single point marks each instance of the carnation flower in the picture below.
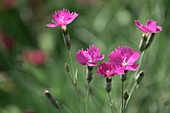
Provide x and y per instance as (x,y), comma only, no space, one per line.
(62,18)
(125,57)
(109,69)
(90,56)
(149,28)
(36,57)
(5,41)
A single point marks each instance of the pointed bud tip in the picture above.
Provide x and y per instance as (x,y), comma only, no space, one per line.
(46,91)
(67,67)
(139,77)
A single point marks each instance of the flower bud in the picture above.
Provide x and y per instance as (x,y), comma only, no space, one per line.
(139,77)
(123,77)
(150,40)
(108,84)
(51,99)
(67,68)
(66,38)
(143,42)
(89,74)
(126,95)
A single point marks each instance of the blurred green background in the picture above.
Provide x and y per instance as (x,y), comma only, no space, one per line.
(104,23)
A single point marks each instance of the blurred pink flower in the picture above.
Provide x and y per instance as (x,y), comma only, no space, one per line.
(8,4)
(29,111)
(62,18)
(5,41)
(90,56)
(125,57)
(36,57)
(109,69)
(149,28)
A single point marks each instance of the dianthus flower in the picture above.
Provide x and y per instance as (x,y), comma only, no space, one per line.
(62,18)
(90,56)
(109,69)
(5,41)
(36,57)
(125,57)
(149,28)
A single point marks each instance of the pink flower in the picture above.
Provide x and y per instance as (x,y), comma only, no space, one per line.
(8,4)
(62,18)
(6,41)
(36,57)
(90,56)
(150,26)
(29,111)
(125,57)
(109,69)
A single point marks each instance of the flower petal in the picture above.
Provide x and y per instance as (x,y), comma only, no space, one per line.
(51,25)
(81,58)
(132,67)
(135,56)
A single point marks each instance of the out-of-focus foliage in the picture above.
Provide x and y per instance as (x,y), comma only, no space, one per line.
(104,23)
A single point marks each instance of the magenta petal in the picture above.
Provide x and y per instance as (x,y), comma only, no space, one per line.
(101,57)
(91,64)
(51,25)
(74,15)
(141,27)
(132,68)
(135,56)
(151,23)
(81,58)
(144,29)
(158,28)
(120,70)
(137,23)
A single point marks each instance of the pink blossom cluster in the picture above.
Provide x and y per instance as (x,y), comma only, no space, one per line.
(120,59)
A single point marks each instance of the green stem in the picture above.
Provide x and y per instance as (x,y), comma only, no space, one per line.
(79,98)
(110,104)
(87,97)
(131,93)
(71,63)
(124,105)
(66,108)
(122,89)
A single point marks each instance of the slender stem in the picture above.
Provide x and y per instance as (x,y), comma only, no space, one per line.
(71,79)
(77,92)
(140,61)
(66,108)
(122,90)
(79,98)
(124,104)
(131,93)
(71,61)
(87,97)
(110,104)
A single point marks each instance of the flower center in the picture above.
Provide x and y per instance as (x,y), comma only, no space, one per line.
(124,62)
(90,60)
(62,19)
(108,71)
